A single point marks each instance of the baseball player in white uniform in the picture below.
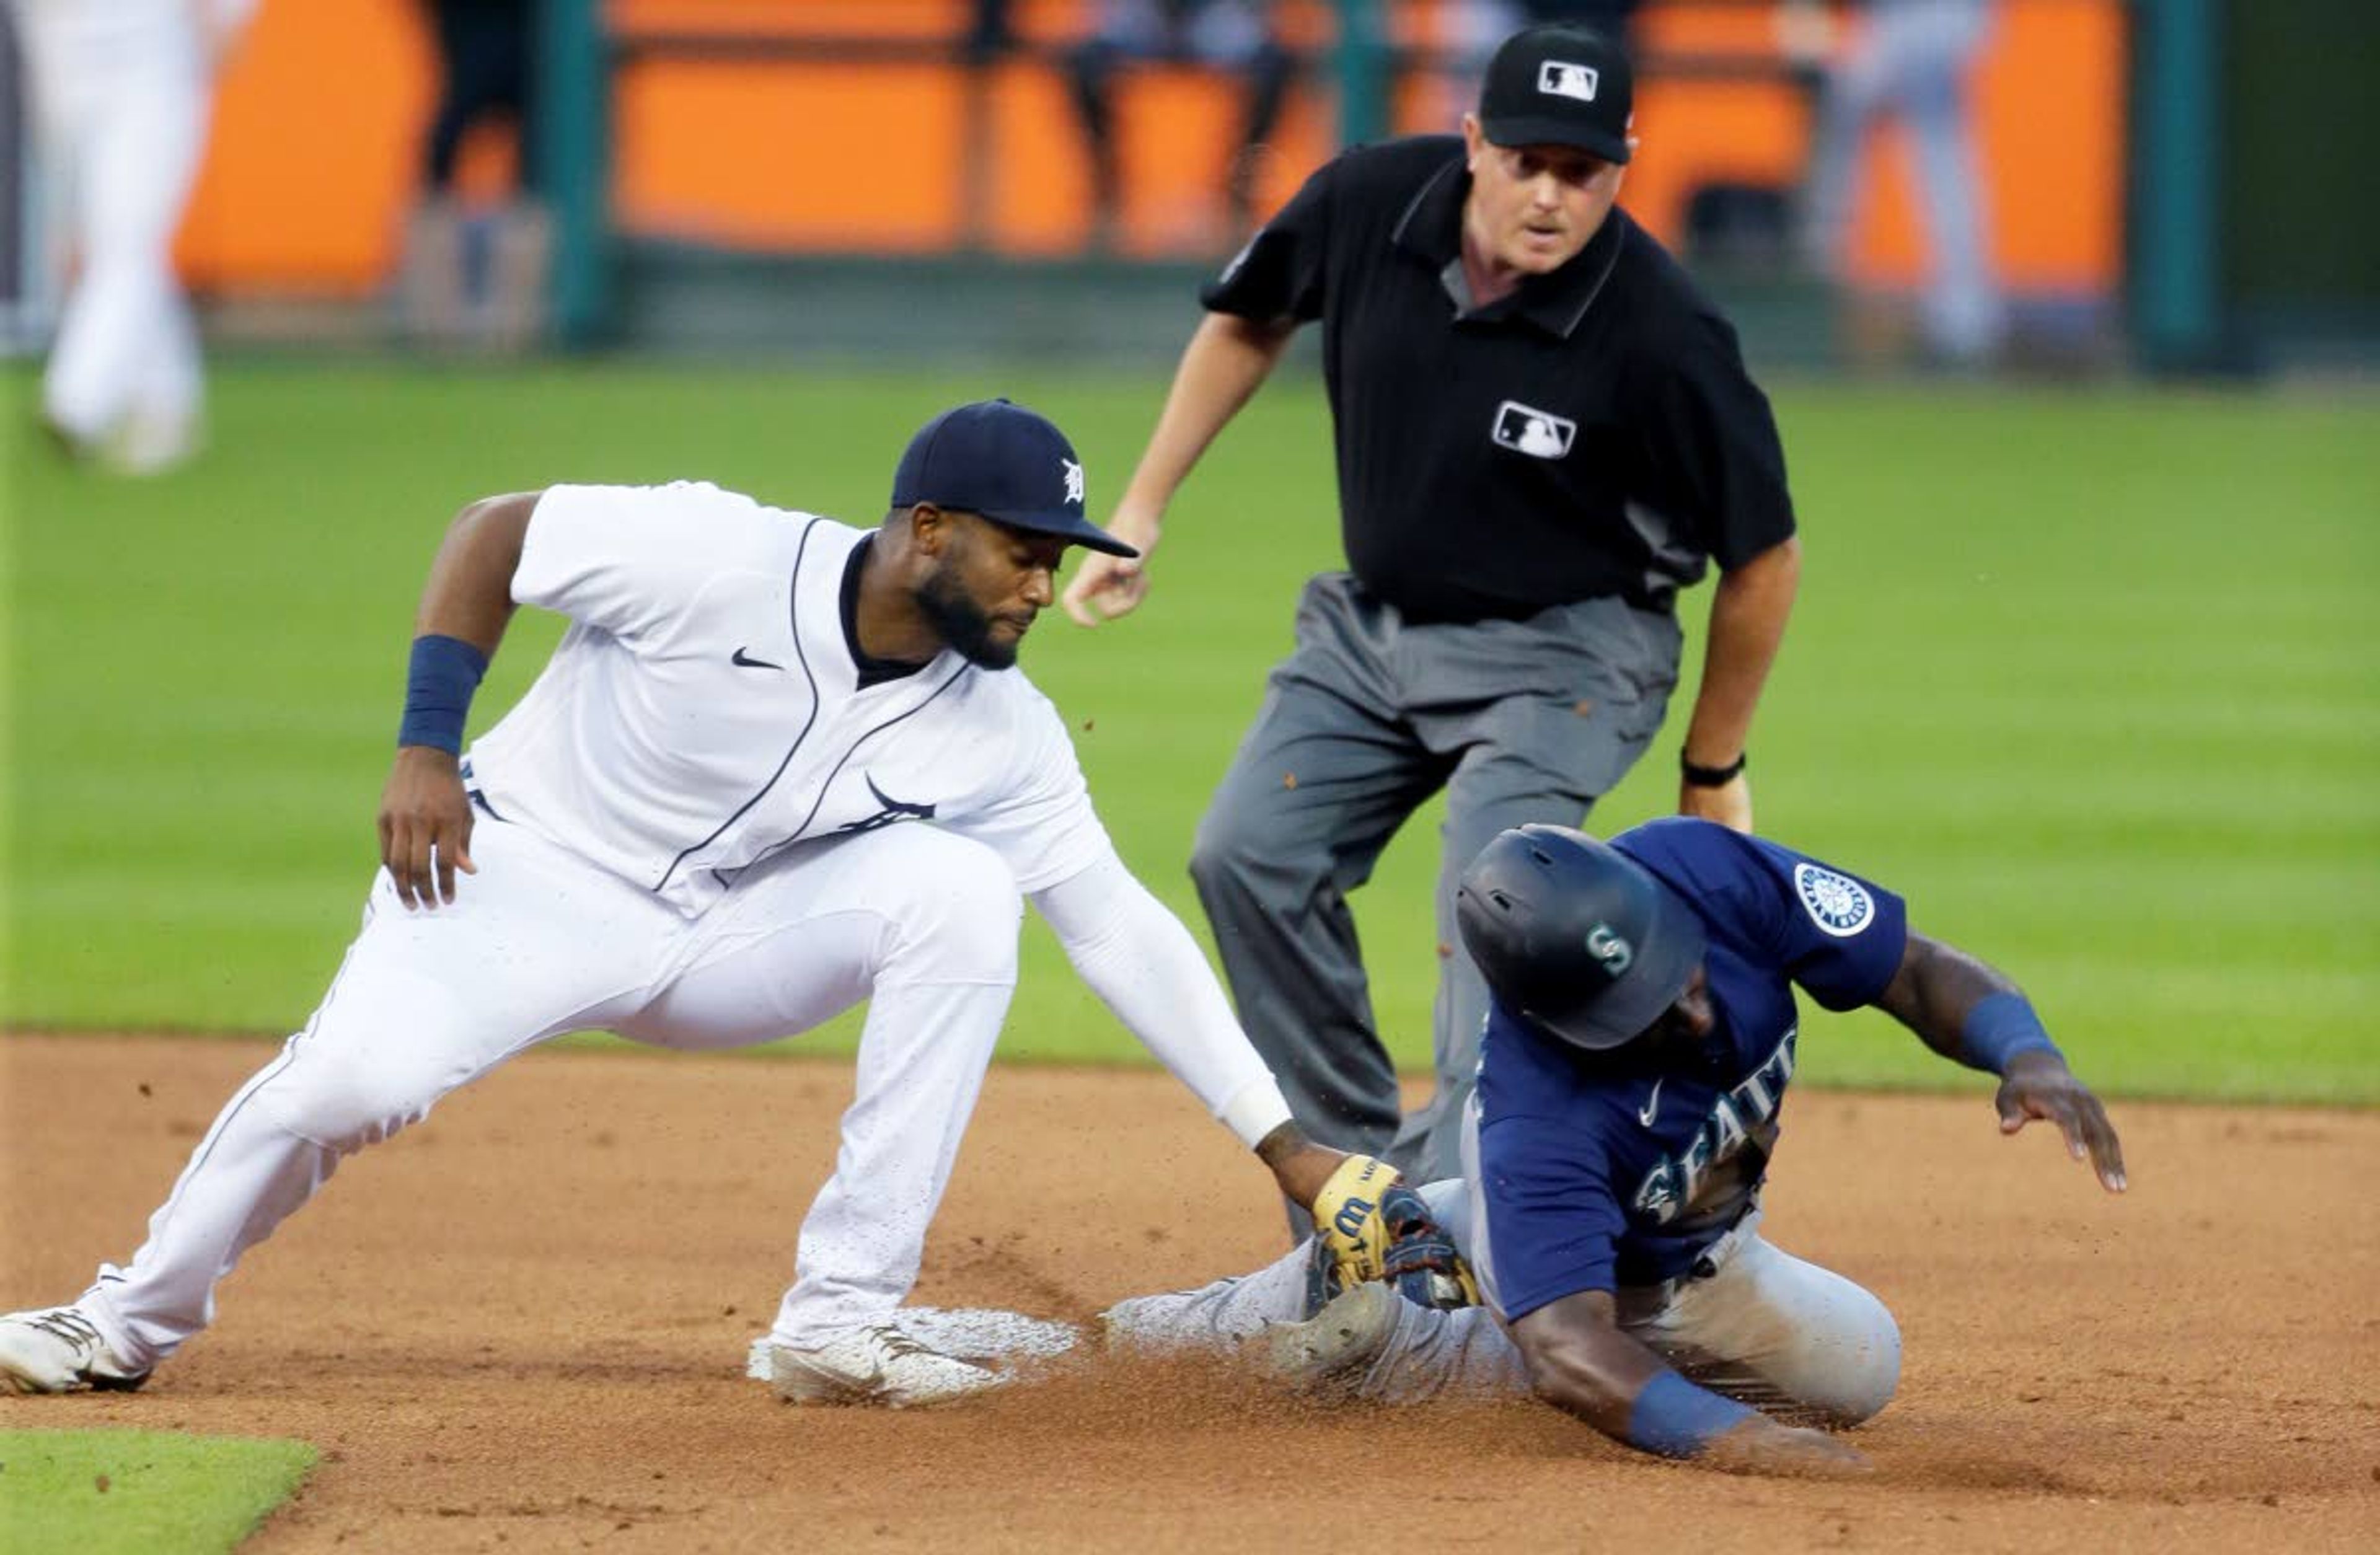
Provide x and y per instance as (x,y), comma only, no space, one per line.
(121,91)
(777,765)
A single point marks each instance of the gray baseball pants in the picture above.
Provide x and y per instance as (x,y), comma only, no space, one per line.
(1801,1342)
(1517,721)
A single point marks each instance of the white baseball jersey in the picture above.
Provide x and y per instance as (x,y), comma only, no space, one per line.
(705,708)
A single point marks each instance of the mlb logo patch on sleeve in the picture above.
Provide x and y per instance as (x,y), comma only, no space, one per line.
(1541,434)
(1560,77)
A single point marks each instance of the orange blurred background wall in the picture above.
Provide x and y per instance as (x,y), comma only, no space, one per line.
(314,157)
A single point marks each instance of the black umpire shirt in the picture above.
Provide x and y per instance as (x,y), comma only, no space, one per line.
(1591,433)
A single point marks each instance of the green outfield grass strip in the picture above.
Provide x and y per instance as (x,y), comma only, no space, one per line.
(2092,678)
(141,1492)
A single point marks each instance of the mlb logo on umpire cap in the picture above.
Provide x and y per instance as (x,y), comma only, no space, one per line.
(1560,84)
(1560,78)
(1541,434)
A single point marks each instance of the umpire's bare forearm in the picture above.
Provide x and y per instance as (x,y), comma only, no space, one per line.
(1227,360)
(1749,609)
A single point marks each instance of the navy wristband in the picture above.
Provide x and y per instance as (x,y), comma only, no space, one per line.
(438,685)
(2000,1027)
(1676,1420)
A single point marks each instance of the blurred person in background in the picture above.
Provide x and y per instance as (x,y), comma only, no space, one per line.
(121,92)
(475,274)
(1913,60)
(1236,36)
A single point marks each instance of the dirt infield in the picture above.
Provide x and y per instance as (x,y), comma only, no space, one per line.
(522,1326)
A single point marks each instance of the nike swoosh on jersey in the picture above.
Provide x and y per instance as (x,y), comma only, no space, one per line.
(1651,1107)
(744,660)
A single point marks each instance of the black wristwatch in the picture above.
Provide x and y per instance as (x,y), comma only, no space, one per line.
(1710,777)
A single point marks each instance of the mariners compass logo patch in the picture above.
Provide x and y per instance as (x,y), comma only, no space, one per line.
(1836,903)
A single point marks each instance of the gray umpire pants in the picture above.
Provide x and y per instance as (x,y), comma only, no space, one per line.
(1518,721)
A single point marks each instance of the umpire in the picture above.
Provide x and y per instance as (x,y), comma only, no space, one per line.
(1544,433)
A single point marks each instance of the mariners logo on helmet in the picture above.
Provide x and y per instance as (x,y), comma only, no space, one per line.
(1836,903)
(1609,946)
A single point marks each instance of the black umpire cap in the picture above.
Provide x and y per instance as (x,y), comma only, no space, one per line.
(1009,464)
(1560,84)
(1575,937)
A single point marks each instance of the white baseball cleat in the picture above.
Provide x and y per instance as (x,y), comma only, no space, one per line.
(878,1364)
(56,1349)
(1334,1348)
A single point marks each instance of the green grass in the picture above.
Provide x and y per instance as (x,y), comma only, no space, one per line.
(2092,676)
(141,1492)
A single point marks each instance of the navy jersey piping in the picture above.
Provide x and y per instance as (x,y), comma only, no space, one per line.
(795,835)
(793,623)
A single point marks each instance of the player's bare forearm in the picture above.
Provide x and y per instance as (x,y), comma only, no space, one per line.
(1299,1166)
(1749,609)
(1936,989)
(1941,993)
(1580,1362)
(469,594)
(425,816)
(1227,360)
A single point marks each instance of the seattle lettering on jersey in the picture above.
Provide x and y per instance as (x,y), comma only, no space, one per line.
(1669,1186)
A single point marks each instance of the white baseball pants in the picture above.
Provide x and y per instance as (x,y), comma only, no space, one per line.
(920,921)
(122,90)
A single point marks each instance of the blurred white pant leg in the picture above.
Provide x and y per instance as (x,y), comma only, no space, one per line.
(922,923)
(123,90)
(1773,1331)
(1835,186)
(1939,43)
(1914,60)
(537,944)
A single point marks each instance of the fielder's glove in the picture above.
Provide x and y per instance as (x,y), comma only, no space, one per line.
(1372,1227)
(1422,1265)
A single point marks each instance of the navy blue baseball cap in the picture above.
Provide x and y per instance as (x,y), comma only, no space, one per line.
(1560,84)
(1575,937)
(1005,462)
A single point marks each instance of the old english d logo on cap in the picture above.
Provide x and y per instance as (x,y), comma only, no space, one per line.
(1007,463)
